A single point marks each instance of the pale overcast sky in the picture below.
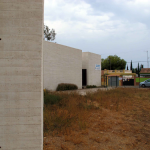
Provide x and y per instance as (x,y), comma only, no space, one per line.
(105,27)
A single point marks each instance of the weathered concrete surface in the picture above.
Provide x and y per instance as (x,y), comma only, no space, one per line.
(21,85)
(62,64)
(89,60)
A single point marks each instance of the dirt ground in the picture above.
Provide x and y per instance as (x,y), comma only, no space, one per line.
(125,129)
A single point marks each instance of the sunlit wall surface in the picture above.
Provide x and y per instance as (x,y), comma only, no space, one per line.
(21,97)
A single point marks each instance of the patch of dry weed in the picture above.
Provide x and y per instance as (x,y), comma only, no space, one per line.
(104,119)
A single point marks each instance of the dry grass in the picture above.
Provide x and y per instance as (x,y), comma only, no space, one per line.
(114,119)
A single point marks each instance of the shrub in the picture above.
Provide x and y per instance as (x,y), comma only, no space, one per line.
(66,86)
(91,86)
(50,99)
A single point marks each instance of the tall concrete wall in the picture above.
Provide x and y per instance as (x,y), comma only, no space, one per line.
(21,85)
(62,64)
(89,60)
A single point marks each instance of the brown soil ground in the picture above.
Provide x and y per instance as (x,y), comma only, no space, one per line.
(109,129)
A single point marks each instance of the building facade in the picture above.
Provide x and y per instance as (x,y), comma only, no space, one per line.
(21,74)
(117,77)
(91,68)
(62,64)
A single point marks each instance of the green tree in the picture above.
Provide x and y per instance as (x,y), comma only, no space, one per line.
(141,67)
(49,35)
(131,65)
(127,67)
(134,70)
(113,62)
(138,70)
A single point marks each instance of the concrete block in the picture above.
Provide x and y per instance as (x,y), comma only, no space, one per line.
(19,71)
(20,87)
(19,6)
(19,95)
(18,79)
(12,129)
(21,74)
(20,63)
(33,120)
(20,46)
(20,112)
(20,55)
(20,103)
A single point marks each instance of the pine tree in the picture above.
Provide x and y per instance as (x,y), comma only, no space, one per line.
(49,35)
(131,65)
(138,70)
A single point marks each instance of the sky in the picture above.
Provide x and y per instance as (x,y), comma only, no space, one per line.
(105,27)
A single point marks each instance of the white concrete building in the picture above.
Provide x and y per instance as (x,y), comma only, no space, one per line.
(62,64)
(91,65)
(21,74)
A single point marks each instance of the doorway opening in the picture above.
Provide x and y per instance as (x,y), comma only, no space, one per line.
(84,77)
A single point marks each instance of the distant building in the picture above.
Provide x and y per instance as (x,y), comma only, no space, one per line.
(117,77)
(145,72)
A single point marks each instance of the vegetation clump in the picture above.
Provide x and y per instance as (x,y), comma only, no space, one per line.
(51,99)
(91,86)
(66,86)
(61,111)
(49,35)
(75,120)
(113,63)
